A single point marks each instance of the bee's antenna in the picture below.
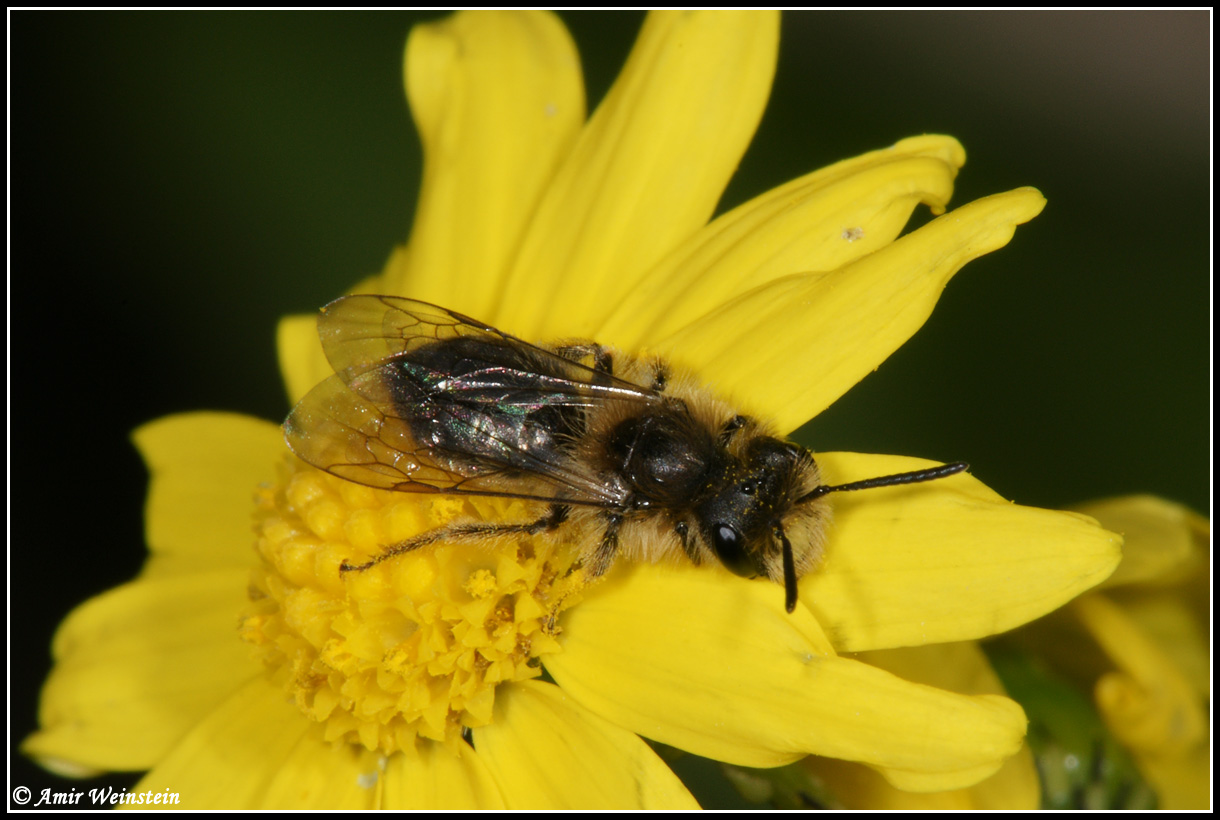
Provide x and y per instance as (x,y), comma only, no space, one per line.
(943,471)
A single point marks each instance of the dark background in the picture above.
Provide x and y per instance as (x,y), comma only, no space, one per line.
(181,180)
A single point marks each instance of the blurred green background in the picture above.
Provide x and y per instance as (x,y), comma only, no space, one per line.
(181,180)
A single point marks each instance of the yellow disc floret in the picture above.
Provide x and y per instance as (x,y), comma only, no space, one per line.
(414,646)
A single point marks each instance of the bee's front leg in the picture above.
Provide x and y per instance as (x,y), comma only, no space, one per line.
(682,530)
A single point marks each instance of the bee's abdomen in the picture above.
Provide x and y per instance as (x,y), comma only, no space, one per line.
(474,401)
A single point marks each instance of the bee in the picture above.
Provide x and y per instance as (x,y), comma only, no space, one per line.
(631,454)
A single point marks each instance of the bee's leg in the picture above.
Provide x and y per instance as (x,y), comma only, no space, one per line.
(603,362)
(730,428)
(790,590)
(682,529)
(583,352)
(603,557)
(660,376)
(556,515)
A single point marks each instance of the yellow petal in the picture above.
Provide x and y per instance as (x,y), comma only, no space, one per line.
(316,775)
(1177,624)
(498,99)
(436,778)
(945,560)
(137,666)
(205,468)
(1160,539)
(958,667)
(547,752)
(1148,704)
(1162,584)
(1182,782)
(712,664)
(648,169)
(1014,786)
(247,750)
(793,346)
(300,354)
(822,221)
(858,787)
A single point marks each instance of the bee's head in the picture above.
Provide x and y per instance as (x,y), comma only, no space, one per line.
(743,520)
(766,512)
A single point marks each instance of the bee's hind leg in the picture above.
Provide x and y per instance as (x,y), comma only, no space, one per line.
(597,355)
(556,515)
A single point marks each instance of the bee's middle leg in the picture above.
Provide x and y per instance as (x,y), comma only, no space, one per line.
(607,548)
(556,515)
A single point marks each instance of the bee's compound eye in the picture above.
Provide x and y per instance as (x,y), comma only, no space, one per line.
(730,548)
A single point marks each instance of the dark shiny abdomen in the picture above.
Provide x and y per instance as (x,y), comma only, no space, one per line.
(473,400)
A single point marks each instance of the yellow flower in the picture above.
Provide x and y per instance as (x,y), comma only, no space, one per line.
(1139,646)
(409,685)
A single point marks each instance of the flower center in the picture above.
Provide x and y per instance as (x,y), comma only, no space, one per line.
(413,646)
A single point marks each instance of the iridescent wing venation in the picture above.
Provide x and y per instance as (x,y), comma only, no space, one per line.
(362,332)
(366,440)
(359,332)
